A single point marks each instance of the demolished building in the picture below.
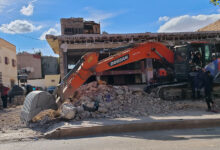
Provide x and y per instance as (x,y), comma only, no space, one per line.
(71,47)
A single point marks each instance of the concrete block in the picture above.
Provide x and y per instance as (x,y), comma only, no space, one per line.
(36,102)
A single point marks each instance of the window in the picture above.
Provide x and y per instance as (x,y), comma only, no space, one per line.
(207,53)
(13,63)
(68,31)
(6,60)
(180,54)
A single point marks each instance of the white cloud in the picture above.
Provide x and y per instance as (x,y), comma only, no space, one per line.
(188,23)
(27,11)
(98,15)
(164,18)
(19,26)
(53,31)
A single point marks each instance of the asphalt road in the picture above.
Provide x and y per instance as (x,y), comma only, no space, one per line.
(195,139)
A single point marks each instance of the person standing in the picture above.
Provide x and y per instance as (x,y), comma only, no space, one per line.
(200,81)
(208,81)
(1,94)
(192,76)
(4,95)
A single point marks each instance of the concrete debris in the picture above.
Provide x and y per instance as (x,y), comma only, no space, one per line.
(102,110)
(96,100)
(67,111)
(34,103)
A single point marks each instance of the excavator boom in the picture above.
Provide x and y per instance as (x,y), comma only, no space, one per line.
(153,50)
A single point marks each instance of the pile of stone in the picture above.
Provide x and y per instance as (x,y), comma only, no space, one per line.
(105,101)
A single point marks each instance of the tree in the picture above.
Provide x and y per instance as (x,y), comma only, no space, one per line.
(215,2)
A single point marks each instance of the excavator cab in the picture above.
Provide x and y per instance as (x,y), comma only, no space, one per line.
(191,55)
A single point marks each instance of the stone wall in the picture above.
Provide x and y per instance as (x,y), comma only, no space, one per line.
(17,100)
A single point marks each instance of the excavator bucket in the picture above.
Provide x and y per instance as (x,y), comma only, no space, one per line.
(34,103)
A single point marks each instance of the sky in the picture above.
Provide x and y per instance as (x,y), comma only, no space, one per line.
(25,23)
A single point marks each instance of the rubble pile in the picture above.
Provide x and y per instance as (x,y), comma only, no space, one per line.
(96,100)
(105,101)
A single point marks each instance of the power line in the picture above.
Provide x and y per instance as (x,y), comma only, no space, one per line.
(26,36)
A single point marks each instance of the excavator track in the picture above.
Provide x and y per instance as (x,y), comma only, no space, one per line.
(171,92)
(180,91)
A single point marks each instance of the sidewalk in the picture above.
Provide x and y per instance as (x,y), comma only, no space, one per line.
(178,120)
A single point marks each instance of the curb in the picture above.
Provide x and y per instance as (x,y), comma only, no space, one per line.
(132,127)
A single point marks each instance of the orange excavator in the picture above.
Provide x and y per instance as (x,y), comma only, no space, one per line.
(89,64)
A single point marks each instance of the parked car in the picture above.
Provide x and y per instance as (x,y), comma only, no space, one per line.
(50,89)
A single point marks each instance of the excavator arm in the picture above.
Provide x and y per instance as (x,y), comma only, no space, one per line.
(153,50)
(76,77)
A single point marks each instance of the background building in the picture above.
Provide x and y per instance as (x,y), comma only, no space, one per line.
(50,65)
(8,63)
(30,64)
(72,26)
(211,27)
(72,47)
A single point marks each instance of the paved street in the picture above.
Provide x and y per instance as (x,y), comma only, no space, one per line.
(196,139)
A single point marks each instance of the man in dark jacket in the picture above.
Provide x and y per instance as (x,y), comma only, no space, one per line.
(196,79)
(192,76)
(199,81)
(208,81)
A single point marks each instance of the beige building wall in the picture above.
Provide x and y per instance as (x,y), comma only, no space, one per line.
(49,80)
(8,68)
(52,80)
(37,82)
